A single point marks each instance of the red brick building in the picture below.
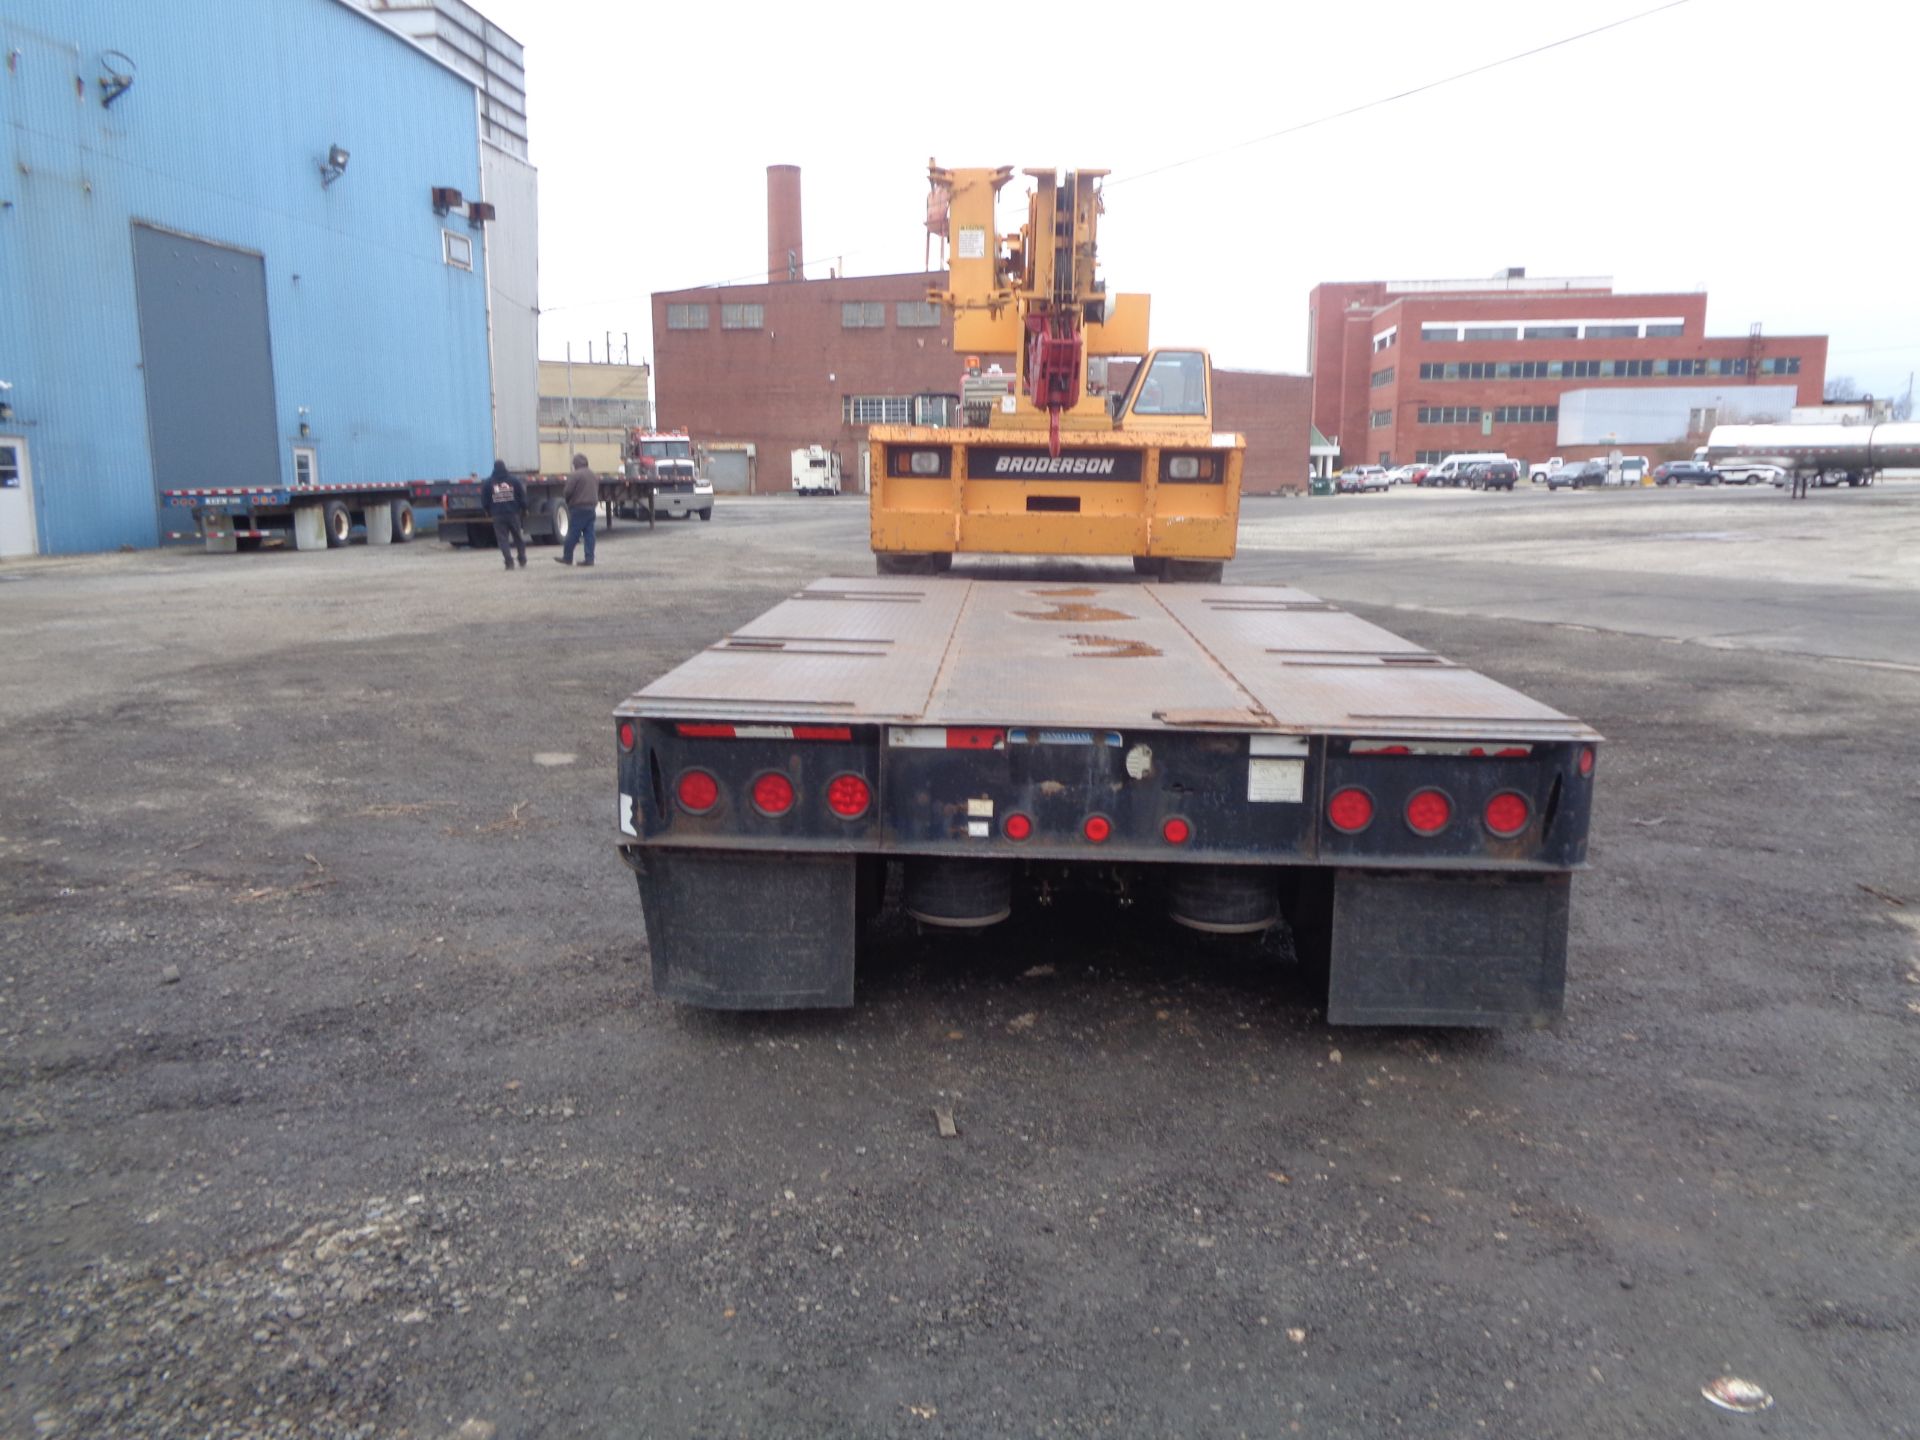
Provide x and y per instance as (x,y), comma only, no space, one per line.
(1405,371)
(763,370)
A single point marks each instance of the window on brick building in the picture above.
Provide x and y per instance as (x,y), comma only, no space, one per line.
(1379,419)
(876,409)
(686,317)
(1780,365)
(1665,332)
(863,315)
(1492,332)
(1628,369)
(1579,369)
(1439,332)
(743,317)
(1551,332)
(1449,415)
(1528,370)
(1613,332)
(1732,367)
(916,314)
(1382,377)
(1526,414)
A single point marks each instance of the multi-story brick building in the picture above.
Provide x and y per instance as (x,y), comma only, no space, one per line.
(1405,371)
(754,372)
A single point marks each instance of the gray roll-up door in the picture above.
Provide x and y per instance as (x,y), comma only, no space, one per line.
(207,360)
(727,469)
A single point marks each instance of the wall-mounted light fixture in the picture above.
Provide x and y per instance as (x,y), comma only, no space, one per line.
(6,409)
(116,77)
(446,198)
(478,213)
(334,166)
(305,429)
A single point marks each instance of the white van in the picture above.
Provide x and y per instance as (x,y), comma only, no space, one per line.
(816,471)
(1447,472)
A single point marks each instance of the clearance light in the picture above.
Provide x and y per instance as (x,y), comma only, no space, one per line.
(701,730)
(1428,812)
(1016,826)
(698,792)
(1586,761)
(1506,814)
(1097,828)
(1350,810)
(626,735)
(848,796)
(1176,831)
(773,794)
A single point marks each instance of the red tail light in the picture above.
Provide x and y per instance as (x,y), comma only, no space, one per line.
(1428,812)
(1506,814)
(1176,831)
(773,794)
(848,796)
(1097,828)
(697,791)
(626,735)
(1350,810)
(1586,760)
(1017,826)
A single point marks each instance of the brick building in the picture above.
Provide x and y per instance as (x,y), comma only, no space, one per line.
(754,372)
(1405,371)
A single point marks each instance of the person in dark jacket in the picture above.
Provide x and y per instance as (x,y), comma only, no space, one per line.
(504,495)
(583,506)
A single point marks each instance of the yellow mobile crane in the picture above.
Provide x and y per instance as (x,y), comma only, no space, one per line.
(1048,458)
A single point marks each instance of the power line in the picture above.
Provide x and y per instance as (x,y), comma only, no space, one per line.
(1398,95)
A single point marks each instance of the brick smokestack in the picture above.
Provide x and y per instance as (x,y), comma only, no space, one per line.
(785,255)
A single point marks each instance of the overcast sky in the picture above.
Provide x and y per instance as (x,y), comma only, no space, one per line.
(1760,150)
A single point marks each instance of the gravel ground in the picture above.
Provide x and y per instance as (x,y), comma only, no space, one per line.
(333,1101)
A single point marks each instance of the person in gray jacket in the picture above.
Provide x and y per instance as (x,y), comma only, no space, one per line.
(583,506)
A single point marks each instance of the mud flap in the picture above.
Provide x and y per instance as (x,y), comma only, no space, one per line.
(733,930)
(1425,949)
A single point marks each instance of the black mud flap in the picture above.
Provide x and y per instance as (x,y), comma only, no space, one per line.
(732,930)
(1429,949)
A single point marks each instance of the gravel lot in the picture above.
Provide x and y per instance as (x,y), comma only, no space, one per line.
(333,1101)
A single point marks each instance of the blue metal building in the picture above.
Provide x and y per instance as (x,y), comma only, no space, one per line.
(191,294)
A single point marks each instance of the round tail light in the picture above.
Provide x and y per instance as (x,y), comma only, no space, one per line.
(1506,814)
(848,796)
(1097,828)
(1428,812)
(626,735)
(1176,831)
(1586,761)
(1016,826)
(1350,810)
(773,794)
(698,792)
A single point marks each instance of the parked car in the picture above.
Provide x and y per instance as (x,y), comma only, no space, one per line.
(1403,474)
(1538,472)
(1362,478)
(1491,475)
(1580,475)
(1685,472)
(1747,472)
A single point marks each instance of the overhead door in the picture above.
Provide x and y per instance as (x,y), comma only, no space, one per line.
(728,471)
(207,361)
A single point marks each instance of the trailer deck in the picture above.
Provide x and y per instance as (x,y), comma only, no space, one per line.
(1241,755)
(1123,655)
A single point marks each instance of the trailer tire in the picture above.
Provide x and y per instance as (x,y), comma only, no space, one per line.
(562,523)
(338,521)
(480,535)
(402,522)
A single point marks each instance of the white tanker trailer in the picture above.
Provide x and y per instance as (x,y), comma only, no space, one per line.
(1853,453)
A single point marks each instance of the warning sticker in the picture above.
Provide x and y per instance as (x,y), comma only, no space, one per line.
(1284,781)
(973,242)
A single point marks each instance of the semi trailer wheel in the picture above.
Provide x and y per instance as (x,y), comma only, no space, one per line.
(339,522)
(402,521)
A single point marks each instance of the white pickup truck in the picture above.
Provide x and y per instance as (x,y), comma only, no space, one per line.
(1538,472)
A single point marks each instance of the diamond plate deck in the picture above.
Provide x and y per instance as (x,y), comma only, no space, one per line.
(1113,654)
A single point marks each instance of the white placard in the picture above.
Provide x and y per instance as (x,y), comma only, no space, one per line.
(973,243)
(1284,781)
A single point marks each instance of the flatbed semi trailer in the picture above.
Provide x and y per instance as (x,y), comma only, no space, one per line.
(304,517)
(1245,754)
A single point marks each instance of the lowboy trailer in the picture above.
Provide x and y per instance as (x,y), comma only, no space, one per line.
(1245,754)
